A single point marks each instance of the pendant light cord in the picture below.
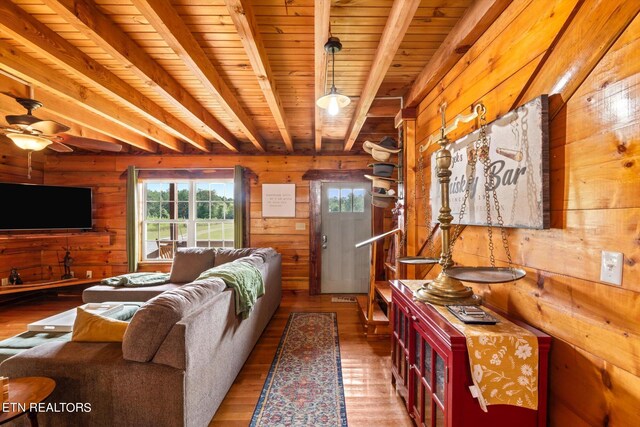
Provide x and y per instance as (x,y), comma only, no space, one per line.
(333,70)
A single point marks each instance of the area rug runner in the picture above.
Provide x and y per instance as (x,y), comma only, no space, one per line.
(304,385)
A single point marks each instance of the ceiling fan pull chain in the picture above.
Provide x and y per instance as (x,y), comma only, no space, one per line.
(29,164)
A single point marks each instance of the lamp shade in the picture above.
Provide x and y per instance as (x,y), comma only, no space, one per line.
(333,102)
(29,142)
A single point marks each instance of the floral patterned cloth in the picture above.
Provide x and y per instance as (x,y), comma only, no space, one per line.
(503,359)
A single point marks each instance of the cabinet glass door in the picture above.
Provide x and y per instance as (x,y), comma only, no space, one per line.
(427,370)
(440,379)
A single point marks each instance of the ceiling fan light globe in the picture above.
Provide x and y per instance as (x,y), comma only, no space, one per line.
(29,142)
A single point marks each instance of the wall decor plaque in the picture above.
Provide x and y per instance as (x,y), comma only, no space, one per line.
(519,170)
(279,200)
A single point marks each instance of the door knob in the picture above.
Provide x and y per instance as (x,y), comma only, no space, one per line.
(324,238)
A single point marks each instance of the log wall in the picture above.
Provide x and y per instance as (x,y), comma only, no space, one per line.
(105,175)
(584,54)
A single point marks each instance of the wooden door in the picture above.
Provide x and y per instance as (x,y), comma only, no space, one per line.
(345,221)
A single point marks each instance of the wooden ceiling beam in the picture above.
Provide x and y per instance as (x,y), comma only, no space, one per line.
(28,31)
(64,111)
(322,15)
(8,105)
(90,21)
(384,108)
(73,112)
(244,19)
(18,64)
(476,20)
(166,21)
(398,23)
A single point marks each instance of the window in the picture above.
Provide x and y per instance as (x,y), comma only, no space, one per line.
(185,213)
(346,199)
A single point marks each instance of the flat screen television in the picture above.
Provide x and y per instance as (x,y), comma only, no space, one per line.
(44,207)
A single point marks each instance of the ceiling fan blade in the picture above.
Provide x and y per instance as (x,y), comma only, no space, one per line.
(90,144)
(60,147)
(49,127)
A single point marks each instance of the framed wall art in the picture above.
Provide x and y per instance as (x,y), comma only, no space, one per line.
(519,171)
(279,200)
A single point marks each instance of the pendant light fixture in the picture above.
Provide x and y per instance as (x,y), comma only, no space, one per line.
(333,101)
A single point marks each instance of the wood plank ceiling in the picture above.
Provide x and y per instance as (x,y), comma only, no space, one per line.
(221,75)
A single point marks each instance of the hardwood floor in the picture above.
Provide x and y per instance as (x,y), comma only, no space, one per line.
(14,317)
(370,397)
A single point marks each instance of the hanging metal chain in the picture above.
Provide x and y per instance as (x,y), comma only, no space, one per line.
(472,158)
(426,206)
(490,193)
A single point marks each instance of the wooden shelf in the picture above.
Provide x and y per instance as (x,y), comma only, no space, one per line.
(38,286)
(379,318)
(390,267)
(383,288)
(43,236)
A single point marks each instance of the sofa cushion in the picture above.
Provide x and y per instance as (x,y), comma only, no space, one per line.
(153,321)
(188,263)
(103,293)
(90,327)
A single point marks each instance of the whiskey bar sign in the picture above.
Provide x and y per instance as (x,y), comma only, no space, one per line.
(518,171)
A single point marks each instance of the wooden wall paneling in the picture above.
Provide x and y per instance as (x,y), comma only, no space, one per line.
(524,41)
(595,378)
(596,27)
(476,20)
(613,392)
(105,174)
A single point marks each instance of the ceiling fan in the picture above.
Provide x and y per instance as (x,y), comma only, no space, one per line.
(33,134)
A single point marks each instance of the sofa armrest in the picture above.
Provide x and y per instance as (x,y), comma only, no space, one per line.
(119,392)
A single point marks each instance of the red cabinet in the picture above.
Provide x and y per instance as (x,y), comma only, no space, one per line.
(431,372)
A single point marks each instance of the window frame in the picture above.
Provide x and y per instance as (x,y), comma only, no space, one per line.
(191,222)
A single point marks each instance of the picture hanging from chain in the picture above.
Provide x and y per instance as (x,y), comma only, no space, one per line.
(518,170)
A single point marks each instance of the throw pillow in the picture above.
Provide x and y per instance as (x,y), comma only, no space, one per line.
(188,263)
(90,327)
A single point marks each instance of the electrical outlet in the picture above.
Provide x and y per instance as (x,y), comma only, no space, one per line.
(301,226)
(89,274)
(611,268)
(5,281)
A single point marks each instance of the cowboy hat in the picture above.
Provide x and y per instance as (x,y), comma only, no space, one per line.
(382,169)
(382,151)
(381,182)
(382,200)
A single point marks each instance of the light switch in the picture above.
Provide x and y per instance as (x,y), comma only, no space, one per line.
(301,226)
(611,268)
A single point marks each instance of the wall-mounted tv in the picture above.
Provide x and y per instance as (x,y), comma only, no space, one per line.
(44,207)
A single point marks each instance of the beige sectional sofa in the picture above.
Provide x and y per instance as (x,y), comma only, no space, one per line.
(179,357)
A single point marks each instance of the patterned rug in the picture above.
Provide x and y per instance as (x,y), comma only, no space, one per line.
(304,385)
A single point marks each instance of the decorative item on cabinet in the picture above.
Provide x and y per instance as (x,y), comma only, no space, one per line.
(447,287)
(430,369)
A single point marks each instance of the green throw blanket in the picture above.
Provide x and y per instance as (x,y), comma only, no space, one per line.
(134,280)
(244,278)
